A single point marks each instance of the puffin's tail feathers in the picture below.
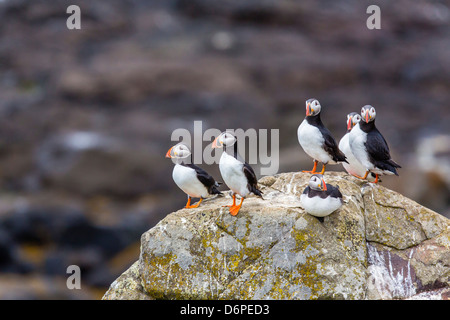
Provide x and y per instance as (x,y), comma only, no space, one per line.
(394,166)
(256,191)
(393,163)
(389,165)
(214,190)
(340,156)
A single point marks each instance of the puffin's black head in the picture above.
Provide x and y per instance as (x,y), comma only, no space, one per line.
(352,119)
(178,151)
(312,107)
(317,182)
(368,113)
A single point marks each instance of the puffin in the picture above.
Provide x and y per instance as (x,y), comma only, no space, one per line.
(319,198)
(237,174)
(316,140)
(370,148)
(193,180)
(353,167)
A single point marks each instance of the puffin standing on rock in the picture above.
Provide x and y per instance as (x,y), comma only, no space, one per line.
(316,140)
(370,148)
(236,173)
(193,180)
(320,199)
(353,167)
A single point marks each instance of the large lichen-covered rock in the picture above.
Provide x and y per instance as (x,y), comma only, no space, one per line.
(379,245)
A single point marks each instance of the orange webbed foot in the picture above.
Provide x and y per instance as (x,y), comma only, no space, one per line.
(365,176)
(234,209)
(313,169)
(189,206)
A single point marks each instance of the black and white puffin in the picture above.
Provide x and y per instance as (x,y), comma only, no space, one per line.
(353,167)
(237,174)
(369,146)
(316,140)
(193,180)
(320,199)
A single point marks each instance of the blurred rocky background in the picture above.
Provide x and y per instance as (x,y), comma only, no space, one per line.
(86,115)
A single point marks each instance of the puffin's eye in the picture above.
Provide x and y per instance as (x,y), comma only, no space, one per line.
(372,110)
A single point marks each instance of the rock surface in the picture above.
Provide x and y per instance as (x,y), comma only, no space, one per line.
(379,245)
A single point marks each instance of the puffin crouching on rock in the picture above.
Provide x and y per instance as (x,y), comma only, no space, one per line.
(320,199)
(237,174)
(316,140)
(193,180)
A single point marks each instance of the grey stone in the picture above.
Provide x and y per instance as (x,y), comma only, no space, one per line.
(379,245)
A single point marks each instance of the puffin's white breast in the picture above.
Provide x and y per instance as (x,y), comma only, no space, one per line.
(311,140)
(353,166)
(233,175)
(357,139)
(318,206)
(186,179)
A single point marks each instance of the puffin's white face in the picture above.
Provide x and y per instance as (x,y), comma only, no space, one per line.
(317,182)
(179,151)
(352,119)
(224,139)
(312,107)
(368,113)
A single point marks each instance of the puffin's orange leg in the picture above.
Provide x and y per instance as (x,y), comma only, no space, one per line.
(365,176)
(234,202)
(234,210)
(376,178)
(194,205)
(188,204)
(323,168)
(313,169)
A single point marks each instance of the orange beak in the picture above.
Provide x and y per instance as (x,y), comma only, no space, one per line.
(168,153)
(324,185)
(214,144)
(349,123)
(307,110)
(367,117)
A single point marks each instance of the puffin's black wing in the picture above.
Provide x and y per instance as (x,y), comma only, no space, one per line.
(306,191)
(333,191)
(205,178)
(378,151)
(252,180)
(331,146)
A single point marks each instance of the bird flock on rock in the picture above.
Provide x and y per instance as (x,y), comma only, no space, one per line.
(363,152)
